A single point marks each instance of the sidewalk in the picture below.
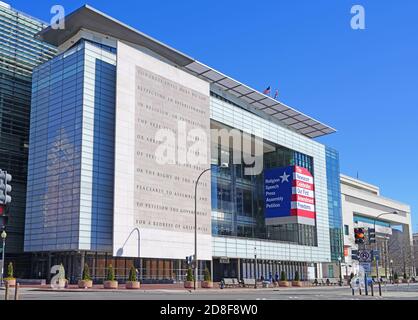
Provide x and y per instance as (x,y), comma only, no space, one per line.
(179,287)
(167,287)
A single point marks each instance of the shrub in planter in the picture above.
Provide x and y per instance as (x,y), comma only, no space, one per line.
(283,280)
(395,278)
(405,278)
(10,280)
(296,281)
(207,280)
(85,281)
(132,282)
(189,279)
(110,282)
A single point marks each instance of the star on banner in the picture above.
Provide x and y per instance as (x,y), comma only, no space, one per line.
(285,177)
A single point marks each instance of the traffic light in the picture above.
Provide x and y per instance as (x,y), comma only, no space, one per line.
(5,187)
(359,235)
(4,219)
(372,235)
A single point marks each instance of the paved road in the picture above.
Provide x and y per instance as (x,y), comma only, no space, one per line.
(404,292)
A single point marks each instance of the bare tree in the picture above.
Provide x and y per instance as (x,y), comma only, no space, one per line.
(401,252)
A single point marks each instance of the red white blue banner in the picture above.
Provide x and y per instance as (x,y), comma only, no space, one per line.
(289,191)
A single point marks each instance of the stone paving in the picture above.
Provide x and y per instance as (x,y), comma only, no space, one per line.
(177,292)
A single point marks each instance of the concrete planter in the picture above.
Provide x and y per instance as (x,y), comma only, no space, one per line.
(10,282)
(297,284)
(188,284)
(108,284)
(397,281)
(207,284)
(85,284)
(284,284)
(405,280)
(132,285)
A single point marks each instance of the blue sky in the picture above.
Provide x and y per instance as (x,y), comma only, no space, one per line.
(364,83)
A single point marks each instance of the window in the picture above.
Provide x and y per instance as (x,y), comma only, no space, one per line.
(346,230)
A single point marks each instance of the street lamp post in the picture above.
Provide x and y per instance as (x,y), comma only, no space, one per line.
(377,260)
(3,237)
(391,272)
(340,270)
(255,267)
(223,165)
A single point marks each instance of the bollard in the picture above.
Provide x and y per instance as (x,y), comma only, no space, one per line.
(372,289)
(6,293)
(352,292)
(17,291)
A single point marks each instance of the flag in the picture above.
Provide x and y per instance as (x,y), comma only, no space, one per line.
(276,94)
(267,91)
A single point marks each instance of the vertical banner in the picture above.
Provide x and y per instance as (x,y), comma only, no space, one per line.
(303,193)
(278,184)
(289,192)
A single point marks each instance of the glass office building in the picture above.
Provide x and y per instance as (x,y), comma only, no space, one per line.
(335,213)
(19,54)
(81,178)
(334,204)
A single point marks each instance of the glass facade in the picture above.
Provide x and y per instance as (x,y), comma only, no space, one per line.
(70,179)
(241,118)
(97,162)
(19,54)
(359,218)
(334,204)
(238,199)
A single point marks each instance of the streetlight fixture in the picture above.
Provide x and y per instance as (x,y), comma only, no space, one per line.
(3,237)
(377,260)
(223,165)
(339,266)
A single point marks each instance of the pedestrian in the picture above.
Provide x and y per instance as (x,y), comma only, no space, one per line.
(276,276)
(270,277)
(137,274)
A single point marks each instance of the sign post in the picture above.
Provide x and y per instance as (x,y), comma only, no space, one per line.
(365,259)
